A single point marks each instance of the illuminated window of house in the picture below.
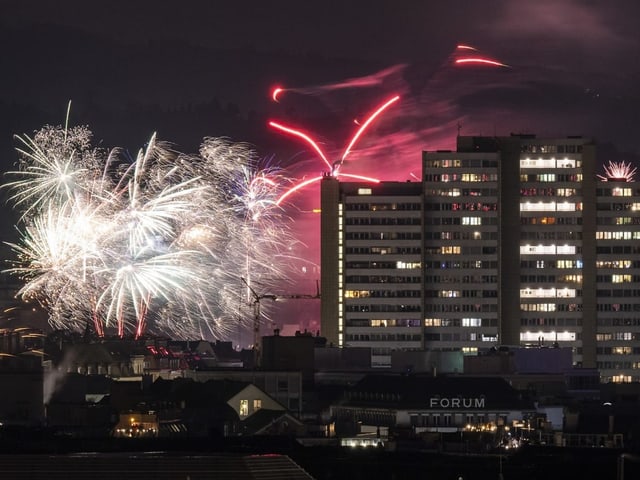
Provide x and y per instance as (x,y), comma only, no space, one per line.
(244,408)
(257,404)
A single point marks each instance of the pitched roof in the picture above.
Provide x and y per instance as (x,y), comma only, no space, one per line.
(152,465)
(197,392)
(264,418)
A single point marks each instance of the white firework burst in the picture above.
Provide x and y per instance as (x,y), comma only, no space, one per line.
(618,172)
(162,242)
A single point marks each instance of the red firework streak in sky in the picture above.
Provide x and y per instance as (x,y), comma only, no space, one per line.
(460,59)
(476,60)
(390,79)
(334,167)
(480,61)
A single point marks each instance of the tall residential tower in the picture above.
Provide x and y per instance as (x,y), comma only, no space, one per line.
(508,240)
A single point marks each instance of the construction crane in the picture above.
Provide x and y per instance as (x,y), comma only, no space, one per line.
(257,298)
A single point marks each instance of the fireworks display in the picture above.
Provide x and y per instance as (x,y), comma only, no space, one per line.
(333,167)
(160,243)
(618,172)
(163,241)
(410,120)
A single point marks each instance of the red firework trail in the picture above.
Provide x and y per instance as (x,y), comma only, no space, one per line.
(366,124)
(360,177)
(334,168)
(481,61)
(304,136)
(297,187)
(142,317)
(378,78)
(466,47)
(276,92)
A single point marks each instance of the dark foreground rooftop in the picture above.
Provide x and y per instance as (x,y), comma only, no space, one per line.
(150,465)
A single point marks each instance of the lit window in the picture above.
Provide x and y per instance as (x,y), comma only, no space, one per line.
(356,293)
(471,220)
(401,264)
(471,322)
(623,336)
(383,323)
(257,404)
(449,293)
(603,337)
(244,408)
(538,307)
(621,350)
(621,192)
(614,264)
(620,278)
(432,322)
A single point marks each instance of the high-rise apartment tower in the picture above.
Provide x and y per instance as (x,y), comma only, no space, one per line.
(506,241)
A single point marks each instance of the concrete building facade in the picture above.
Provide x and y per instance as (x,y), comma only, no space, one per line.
(506,241)
(371,274)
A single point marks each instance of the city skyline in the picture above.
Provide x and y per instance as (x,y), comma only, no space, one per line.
(130,71)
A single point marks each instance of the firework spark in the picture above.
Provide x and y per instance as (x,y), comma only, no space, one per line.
(161,242)
(618,172)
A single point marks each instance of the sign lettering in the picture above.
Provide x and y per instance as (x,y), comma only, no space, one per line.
(456,402)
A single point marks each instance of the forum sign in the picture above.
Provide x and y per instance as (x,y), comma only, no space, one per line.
(456,402)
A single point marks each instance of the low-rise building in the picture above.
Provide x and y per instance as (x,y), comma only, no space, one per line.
(429,404)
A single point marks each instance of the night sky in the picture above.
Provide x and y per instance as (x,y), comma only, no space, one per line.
(192,69)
